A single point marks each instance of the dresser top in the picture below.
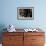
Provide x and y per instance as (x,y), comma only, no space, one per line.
(22,30)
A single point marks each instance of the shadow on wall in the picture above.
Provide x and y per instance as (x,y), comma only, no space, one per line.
(2,26)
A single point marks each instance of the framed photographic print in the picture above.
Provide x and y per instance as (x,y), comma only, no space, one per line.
(25,13)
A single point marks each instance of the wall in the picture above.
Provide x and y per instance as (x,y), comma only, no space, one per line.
(8,13)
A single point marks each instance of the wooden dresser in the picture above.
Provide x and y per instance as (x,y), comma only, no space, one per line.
(23,39)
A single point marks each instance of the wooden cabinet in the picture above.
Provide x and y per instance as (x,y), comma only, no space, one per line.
(23,39)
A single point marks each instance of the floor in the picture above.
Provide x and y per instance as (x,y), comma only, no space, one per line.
(0,44)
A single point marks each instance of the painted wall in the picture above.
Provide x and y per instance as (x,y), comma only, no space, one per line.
(8,13)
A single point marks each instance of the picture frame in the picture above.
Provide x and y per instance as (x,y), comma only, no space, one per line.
(25,13)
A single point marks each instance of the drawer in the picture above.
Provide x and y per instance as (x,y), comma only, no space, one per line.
(34,33)
(37,44)
(12,44)
(27,41)
(27,37)
(12,39)
(13,33)
(34,39)
(37,39)
(8,45)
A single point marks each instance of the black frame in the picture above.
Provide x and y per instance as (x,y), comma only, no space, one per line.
(25,13)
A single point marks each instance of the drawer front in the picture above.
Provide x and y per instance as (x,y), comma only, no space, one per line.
(12,39)
(12,45)
(13,33)
(27,41)
(37,39)
(37,44)
(34,33)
